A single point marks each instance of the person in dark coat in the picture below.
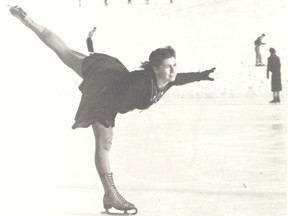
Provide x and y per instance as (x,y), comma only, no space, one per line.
(274,66)
(108,89)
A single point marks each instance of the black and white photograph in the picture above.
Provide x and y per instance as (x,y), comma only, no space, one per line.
(144,107)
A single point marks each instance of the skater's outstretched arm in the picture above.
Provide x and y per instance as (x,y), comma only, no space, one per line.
(71,58)
(184,78)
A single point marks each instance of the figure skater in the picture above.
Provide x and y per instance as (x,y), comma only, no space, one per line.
(108,88)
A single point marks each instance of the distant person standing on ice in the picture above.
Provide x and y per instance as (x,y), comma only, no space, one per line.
(258,42)
(89,41)
(109,89)
(274,66)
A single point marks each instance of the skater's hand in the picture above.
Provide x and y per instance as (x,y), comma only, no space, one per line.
(205,74)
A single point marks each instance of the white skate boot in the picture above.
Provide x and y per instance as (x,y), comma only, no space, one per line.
(112,198)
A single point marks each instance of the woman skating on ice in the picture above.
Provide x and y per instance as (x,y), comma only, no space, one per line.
(108,88)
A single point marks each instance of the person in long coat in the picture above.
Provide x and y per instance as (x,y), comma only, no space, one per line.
(274,66)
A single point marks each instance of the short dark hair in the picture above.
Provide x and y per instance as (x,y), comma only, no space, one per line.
(157,56)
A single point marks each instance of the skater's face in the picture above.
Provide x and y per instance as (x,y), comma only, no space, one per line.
(167,70)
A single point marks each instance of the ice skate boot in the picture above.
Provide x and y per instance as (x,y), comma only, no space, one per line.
(17,12)
(112,198)
(20,14)
(277,100)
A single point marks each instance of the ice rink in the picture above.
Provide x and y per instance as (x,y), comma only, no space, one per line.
(206,149)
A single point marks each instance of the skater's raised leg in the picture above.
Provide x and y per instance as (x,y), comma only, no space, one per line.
(112,198)
(71,58)
(103,135)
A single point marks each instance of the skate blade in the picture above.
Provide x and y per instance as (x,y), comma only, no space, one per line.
(121,213)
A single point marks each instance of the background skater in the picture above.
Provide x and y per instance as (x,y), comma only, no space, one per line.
(274,66)
(108,88)
(258,42)
(89,41)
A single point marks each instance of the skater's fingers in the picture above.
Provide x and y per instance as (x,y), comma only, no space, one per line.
(210,79)
(212,69)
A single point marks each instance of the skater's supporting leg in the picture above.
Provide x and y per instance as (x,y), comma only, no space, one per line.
(103,139)
(68,56)
(112,198)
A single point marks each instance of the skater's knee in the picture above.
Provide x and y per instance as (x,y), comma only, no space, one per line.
(107,146)
(106,142)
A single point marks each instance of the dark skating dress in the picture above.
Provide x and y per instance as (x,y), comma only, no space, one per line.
(274,66)
(101,75)
(108,88)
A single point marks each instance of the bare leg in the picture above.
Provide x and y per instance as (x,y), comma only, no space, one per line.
(103,140)
(71,58)
(112,198)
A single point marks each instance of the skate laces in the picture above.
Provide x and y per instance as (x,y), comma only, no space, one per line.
(114,189)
